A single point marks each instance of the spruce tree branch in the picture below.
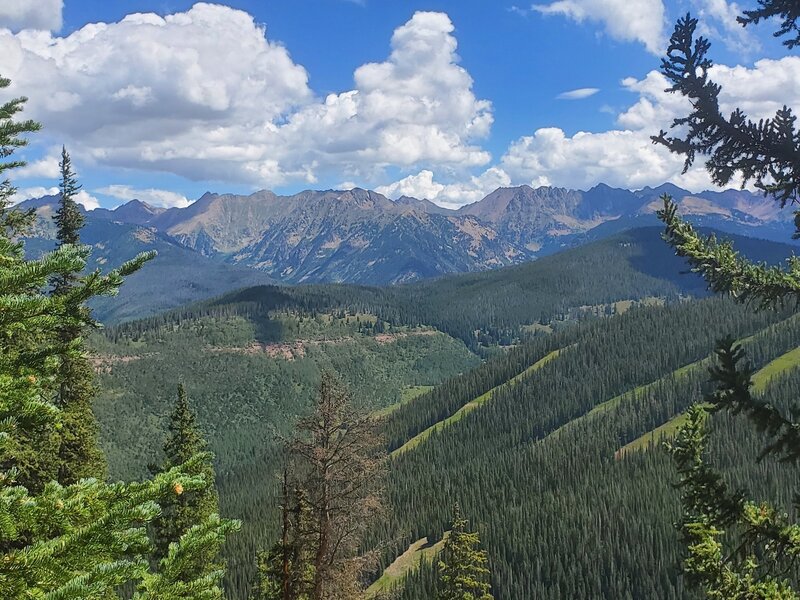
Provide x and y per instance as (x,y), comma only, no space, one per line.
(766,152)
(725,270)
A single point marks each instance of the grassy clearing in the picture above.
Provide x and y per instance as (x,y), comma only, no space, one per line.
(405,563)
(677,374)
(611,404)
(774,368)
(615,401)
(472,405)
(406,395)
(656,436)
(761,380)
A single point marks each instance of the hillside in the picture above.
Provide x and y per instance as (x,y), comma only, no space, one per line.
(250,373)
(251,370)
(499,305)
(563,515)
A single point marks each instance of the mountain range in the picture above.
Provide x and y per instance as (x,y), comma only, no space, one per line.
(361,236)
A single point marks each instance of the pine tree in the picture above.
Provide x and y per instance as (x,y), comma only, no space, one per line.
(180,513)
(88,539)
(765,152)
(33,448)
(69,219)
(463,570)
(764,539)
(79,453)
(788,10)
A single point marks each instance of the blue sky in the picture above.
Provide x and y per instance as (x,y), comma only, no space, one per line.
(442,99)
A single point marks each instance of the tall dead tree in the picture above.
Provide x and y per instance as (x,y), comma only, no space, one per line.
(340,457)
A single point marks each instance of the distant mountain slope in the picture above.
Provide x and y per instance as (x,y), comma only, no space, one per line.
(534,217)
(177,276)
(360,236)
(135,212)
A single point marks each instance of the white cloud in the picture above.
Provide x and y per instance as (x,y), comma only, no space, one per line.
(517,10)
(31,14)
(578,94)
(619,158)
(46,167)
(188,93)
(759,91)
(717,19)
(640,20)
(623,157)
(417,106)
(626,157)
(453,195)
(204,94)
(88,201)
(420,185)
(346,185)
(83,197)
(152,196)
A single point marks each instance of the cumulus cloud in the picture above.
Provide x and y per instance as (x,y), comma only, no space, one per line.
(452,195)
(642,20)
(27,193)
(420,185)
(31,14)
(152,196)
(759,91)
(620,158)
(578,94)
(46,167)
(88,201)
(188,93)
(625,156)
(206,95)
(417,106)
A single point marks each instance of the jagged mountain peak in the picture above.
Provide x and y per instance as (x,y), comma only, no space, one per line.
(38,203)
(665,188)
(135,212)
(359,235)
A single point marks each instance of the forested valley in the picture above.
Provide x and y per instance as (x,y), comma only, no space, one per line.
(538,465)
